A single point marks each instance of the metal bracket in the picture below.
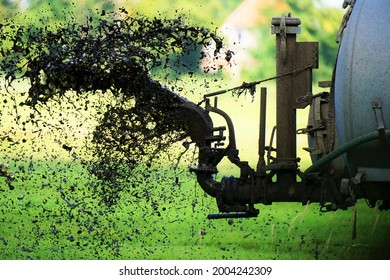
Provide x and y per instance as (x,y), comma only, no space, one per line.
(283,26)
(377,106)
(359,177)
(317,124)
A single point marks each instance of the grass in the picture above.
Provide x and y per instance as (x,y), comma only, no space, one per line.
(168,221)
(36,223)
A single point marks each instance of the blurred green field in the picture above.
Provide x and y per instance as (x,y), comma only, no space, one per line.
(53,212)
(51,215)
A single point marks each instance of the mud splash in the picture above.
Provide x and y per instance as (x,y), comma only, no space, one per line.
(113,55)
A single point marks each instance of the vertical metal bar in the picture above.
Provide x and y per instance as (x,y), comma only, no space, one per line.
(262,126)
(285,113)
(286,28)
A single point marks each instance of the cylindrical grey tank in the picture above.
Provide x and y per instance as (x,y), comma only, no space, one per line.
(362,88)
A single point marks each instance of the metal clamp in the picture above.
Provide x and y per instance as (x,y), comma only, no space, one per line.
(377,106)
(283,26)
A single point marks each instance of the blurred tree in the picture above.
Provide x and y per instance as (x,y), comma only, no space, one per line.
(51,12)
(319,23)
(202,12)
(7,7)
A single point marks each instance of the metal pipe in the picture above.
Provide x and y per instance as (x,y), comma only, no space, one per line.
(207,183)
(229,122)
(343,149)
(231,150)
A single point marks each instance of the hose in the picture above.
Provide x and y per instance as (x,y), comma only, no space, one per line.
(343,149)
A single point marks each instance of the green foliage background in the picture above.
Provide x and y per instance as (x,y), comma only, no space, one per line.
(319,23)
(51,214)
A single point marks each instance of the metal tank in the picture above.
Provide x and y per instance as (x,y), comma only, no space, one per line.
(362,90)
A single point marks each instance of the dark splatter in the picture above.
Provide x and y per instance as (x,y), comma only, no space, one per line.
(113,57)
